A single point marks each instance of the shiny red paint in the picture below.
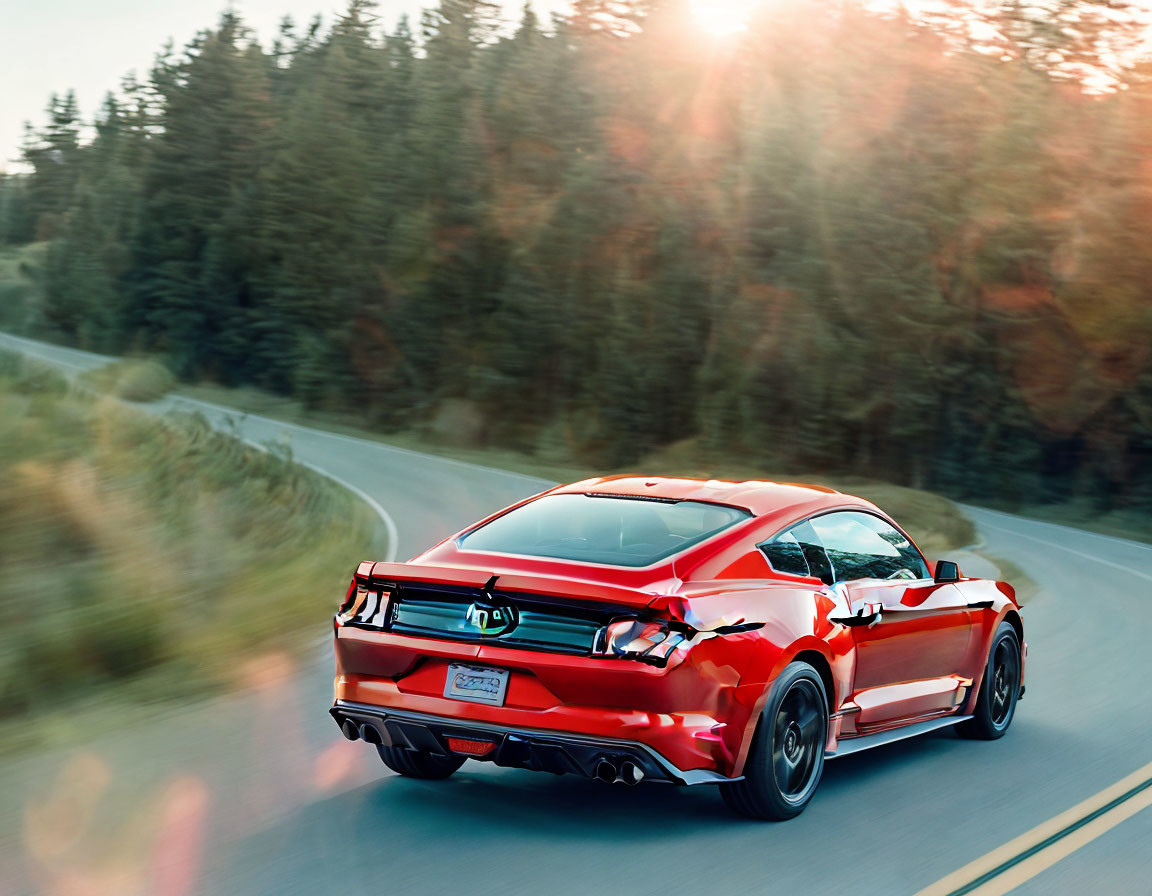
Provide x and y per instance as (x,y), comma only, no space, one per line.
(923,659)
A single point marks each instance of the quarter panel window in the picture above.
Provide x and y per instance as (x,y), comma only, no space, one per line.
(786,555)
(781,553)
(863,546)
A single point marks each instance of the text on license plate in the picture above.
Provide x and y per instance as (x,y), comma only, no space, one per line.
(478,684)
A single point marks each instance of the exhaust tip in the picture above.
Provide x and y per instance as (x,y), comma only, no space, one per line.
(631,774)
(606,771)
(350,730)
(370,734)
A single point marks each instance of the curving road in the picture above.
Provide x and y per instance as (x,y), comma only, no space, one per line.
(257,793)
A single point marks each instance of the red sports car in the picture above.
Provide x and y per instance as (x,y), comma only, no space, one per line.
(674,630)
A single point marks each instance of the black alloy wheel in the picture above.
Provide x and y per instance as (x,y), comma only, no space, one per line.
(786,759)
(797,738)
(999,689)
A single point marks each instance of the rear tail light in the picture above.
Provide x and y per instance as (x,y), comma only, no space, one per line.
(365,606)
(649,642)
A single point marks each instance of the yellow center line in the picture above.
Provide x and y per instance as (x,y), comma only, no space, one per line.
(1010,865)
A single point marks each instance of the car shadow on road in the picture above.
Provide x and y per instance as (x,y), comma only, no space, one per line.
(523,800)
(526,800)
(424,835)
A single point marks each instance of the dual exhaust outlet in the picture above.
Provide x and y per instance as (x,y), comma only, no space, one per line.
(364,732)
(608,770)
(627,772)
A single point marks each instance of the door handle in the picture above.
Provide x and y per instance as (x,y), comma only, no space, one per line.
(868,614)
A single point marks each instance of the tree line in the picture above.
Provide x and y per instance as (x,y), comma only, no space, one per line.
(845,239)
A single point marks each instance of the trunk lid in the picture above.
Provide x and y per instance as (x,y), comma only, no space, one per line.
(495,608)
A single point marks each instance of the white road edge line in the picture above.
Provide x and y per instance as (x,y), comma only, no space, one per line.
(1066,550)
(1128,542)
(385,516)
(380,446)
(31,345)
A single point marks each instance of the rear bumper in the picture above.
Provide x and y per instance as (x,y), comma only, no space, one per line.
(692,713)
(558,752)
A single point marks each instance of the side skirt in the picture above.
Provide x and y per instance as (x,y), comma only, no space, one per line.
(865,742)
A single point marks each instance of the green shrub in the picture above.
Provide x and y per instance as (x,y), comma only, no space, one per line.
(132,380)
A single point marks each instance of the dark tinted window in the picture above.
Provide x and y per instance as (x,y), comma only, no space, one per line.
(786,555)
(616,530)
(863,546)
(813,551)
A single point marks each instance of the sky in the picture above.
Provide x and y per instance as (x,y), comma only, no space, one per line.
(51,46)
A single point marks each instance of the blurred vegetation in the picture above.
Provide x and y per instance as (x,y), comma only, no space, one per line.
(146,556)
(133,379)
(848,240)
(936,524)
(20,285)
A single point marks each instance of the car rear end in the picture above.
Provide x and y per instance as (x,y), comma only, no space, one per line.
(540,672)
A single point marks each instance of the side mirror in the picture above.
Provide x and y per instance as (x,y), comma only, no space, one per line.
(946,571)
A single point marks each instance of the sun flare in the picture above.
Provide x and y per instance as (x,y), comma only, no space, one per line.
(723,17)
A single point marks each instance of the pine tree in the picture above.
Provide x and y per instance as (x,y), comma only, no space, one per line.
(191,286)
(857,247)
(54,155)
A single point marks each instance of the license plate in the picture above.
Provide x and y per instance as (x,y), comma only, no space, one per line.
(476,684)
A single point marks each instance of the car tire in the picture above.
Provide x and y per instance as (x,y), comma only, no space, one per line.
(999,688)
(418,764)
(786,758)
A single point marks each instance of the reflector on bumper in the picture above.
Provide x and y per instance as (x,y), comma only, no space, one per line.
(470,747)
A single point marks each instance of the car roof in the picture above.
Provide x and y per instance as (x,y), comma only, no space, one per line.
(759,497)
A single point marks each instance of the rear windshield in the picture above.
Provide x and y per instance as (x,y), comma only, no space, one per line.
(612,529)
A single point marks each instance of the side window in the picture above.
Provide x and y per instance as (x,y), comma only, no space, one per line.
(798,552)
(786,555)
(863,546)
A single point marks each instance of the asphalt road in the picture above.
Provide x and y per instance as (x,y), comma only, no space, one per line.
(258,794)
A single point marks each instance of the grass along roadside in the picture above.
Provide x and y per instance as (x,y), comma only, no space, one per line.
(132,379)
(144,560)
(1026,587)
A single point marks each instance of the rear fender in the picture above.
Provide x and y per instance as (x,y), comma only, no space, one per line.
(760,628)
(756,685)
(747,631)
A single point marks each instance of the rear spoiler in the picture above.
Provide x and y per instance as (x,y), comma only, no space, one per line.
(547,586)
(725,613)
